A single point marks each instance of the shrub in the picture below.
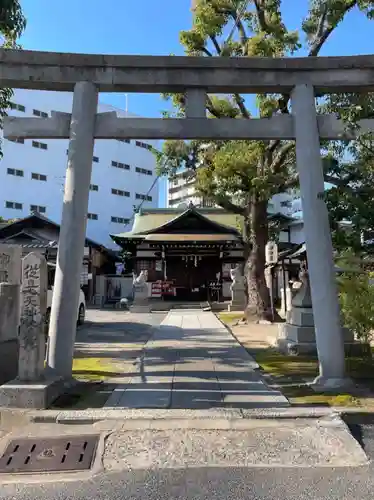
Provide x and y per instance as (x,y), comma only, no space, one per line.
(356,295)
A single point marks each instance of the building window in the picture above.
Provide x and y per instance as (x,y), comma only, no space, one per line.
(119,220)
(38,208)
(208,203)
(18,140)
(13,171)
(94,187)
(95,159)
(14,205)
(118,164)
(92,216)
(143,145)
(144,197)
(124,140)
(40,145)
(38,177)
(42,114)
(143,171)
(286,203)
(18,107)
(119,192)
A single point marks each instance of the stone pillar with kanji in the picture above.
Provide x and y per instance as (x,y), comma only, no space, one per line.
(33,314)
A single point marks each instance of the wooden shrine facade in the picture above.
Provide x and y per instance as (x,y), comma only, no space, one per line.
(188,253)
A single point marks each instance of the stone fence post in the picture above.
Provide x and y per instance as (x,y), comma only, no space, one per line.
(10,277)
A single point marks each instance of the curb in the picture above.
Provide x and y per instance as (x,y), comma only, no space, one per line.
(93,416)
(255,365)
(147,418)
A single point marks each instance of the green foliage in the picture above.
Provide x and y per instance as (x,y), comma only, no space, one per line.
(356,294)
(257,169)
(351,173)
(12,25)
(241,176)
(230,173)
(12,21)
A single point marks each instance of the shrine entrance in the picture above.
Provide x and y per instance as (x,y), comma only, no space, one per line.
(192,275)
(188,253)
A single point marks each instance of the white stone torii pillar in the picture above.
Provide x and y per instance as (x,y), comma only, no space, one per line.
(84,125)
(326,310)
(63,319)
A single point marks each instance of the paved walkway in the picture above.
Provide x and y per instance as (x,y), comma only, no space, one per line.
(193,362)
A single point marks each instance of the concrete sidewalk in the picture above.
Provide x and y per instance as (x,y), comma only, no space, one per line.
(193,362)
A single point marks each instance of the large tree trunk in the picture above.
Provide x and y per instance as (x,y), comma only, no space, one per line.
(259,305)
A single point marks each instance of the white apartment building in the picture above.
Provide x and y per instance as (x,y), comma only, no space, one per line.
(32,176)
(181,191)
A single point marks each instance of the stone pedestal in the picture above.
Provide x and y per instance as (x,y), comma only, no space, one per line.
(37,395)
(238,298)
(141,301)
(297,335)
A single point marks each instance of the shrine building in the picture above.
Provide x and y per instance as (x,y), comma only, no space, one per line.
(187,253)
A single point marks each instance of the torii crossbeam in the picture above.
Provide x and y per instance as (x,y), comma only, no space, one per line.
(87,75)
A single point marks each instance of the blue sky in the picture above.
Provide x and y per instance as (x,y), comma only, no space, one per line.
(152,27)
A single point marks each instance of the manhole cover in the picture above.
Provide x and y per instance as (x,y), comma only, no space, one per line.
(49,454)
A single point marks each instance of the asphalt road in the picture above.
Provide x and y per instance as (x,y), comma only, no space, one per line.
(212,484)
(219,483)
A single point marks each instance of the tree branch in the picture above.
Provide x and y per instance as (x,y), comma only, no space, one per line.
(321,36)
(206,51)
(323,32)
(240,103)
(261,15)
(281,155)
(242,33)
(365,146)
(238,99)
(290,184)
(211,108)
(216,44)
(229,206)
(341,183)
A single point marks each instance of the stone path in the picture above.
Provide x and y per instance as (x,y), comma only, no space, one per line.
(193,362)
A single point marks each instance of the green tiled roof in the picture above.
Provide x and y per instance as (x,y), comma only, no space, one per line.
(147,220)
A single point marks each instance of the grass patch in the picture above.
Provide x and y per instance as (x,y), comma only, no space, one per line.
(85,394)
(279,366)
(91,390)
(230,317)
(93,369)
(292,373)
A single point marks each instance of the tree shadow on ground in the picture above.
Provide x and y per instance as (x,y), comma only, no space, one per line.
(293,375)
(182,356)
(202,368)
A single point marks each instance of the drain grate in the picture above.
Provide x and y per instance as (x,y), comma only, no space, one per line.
(68,453)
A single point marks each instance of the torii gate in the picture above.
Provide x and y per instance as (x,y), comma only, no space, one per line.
(87,75)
